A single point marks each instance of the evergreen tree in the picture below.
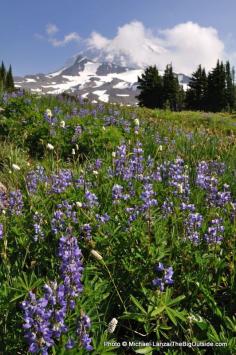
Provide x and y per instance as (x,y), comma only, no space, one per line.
(170,89)
(9,83)
(230,89)
(1,85)
(196,94)
(151,88)
(181,98)
(216,88)
(3,74)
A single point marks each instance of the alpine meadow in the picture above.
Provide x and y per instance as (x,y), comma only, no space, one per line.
(117,177)
(117,228)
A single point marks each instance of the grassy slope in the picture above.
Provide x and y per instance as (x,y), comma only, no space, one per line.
(200,304)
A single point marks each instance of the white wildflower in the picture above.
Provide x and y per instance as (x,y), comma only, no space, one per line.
(180,188)
(79,204)
(62,124)
(112,325)
(50,146)
(49,112)
(15,167)
(160,148)
(136,122)
(95,172)
(73,151)
(233,205)
(113,154)
(96,255)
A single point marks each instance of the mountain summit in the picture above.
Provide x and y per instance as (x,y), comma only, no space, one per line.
(92,79)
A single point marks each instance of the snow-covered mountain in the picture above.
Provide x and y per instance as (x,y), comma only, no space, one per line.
(97,81)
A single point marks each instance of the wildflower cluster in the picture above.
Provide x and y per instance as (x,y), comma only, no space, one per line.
(165,279)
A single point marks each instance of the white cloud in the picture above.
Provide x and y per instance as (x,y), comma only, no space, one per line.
(97,40)
(71,37)
(185,46)
(51,29)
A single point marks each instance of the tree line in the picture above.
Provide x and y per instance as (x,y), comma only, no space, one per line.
(6,79)
(214,91)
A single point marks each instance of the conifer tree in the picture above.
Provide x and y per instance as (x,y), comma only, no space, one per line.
(9,83)
(230,89)
(216,88)
(3,74)
(170,89)
(196,94)
(181,99)
(1,85)
(151,88)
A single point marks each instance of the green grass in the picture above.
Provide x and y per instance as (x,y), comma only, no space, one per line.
(199,306)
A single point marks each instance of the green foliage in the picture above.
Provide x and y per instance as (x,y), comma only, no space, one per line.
(196,94)
(151,88)
(213,92)
(160,92)
(199,306)
(6,79)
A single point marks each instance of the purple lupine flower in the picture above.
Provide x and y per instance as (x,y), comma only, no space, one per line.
(120,161)
(214,232)
(166,274)
(192,224)
(223,197)
(87,229)
(117,193)
(74,111)
(61,181)
(98,164)
(187,207)
(58,303)
(91,199)
(84,112)
(68,211)
(167,207)
(3,201)
(1,231)
(34,178)
(80,183)
(38,331)
(71,265)
(70,344)
(159,267)
(147,197)
(133,212)
(207,180)
(135,165)
(156,174)
(58,222)
(15,202)
(77,134)
(63,216)
(38,221)
(102,218)
(179,178)
(83,325)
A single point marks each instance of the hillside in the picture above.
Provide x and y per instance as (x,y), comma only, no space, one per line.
(117,228)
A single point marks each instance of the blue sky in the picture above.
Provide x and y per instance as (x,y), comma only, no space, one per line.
(39,36)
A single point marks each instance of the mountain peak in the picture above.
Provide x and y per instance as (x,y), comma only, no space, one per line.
(96,79)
